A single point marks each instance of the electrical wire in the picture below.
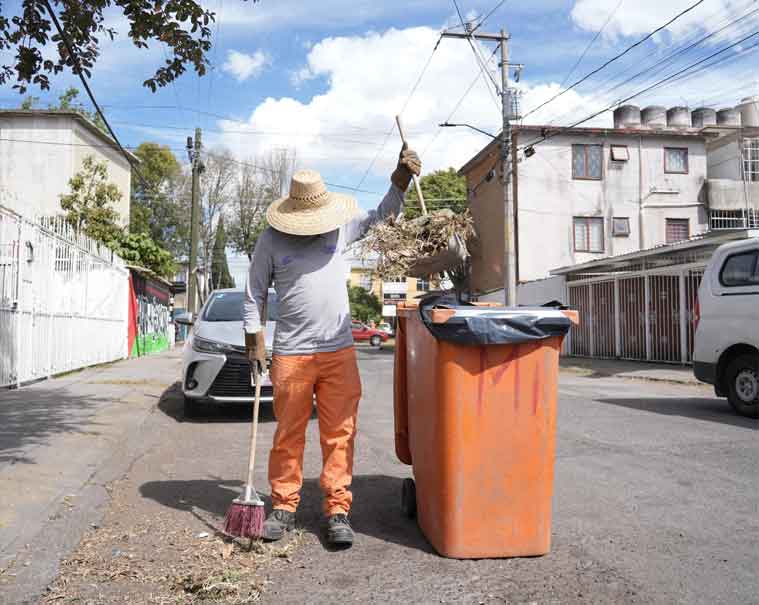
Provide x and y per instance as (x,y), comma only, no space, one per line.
(647,89)
(473,46)
(490,14)
(78,71)
(591,43)
(615,58)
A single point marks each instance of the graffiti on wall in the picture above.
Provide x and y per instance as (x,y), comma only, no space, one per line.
(149,316)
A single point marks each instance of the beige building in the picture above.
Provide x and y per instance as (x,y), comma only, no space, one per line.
(41,150)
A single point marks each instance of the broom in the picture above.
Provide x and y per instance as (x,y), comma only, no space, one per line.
(245,516)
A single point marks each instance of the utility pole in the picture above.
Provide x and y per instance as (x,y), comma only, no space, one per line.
(509,259)
(193,152)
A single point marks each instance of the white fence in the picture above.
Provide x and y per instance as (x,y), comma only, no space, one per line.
(641,315)
(63,300)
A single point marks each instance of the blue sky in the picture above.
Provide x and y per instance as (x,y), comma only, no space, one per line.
(326,78)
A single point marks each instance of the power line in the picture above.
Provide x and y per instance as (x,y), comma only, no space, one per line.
(477,54)
(490,14)
(615,58)
(591,43)
(647,89)
(458,104)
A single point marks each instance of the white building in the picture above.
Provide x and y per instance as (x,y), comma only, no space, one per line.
(41,150)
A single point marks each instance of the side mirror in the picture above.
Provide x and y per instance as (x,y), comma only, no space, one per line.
(184,319)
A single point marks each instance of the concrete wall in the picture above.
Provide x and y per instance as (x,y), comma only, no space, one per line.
(48,150)
(541,291)
(724,158)
(549,198)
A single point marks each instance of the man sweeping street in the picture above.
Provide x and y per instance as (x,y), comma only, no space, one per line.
(302,255)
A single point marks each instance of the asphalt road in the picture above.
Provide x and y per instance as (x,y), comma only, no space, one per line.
(655,501)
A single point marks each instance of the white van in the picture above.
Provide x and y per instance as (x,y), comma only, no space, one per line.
(726,352)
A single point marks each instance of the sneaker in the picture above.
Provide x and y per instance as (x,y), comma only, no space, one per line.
(339,532)
(277,524)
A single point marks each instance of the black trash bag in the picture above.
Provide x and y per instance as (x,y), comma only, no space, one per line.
(489,329)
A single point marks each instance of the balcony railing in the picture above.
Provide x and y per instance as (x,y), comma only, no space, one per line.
(746,218)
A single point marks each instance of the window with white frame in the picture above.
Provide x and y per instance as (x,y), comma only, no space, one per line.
(676,160)
(620,153)
(423,284)
(620,226)
(365,281)
(587,162)
(589,234)
(751,160)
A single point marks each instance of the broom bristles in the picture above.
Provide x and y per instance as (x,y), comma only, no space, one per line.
(244,520)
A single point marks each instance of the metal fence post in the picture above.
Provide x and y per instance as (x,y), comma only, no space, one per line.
(18,305)
(617,327)
(683,319)
(647,314)
(591,315)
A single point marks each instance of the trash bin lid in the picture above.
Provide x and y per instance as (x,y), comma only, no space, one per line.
(487,325)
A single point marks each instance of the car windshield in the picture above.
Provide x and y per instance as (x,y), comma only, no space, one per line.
(228,306)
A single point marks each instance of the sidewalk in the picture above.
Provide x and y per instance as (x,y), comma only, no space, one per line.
(61,442)
(639,370)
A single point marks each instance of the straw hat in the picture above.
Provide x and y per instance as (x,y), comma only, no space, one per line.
(310,209)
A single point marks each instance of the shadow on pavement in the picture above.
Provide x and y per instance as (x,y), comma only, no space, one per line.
(376,505)
(172,404)
(31,416)
(699,408)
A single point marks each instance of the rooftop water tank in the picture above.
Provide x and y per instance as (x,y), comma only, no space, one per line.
(678,117)
(703,117)
(654,116)
(728,117)
(627,116)
(749,110)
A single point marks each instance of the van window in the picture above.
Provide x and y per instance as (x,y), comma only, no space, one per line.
(741,270)
(228,306)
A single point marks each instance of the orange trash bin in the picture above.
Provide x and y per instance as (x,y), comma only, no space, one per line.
(477,423)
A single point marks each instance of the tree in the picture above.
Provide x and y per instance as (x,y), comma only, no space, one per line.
(258,185)
(89,203)
(216,190)
(67,102)
(138,249)
(26,34)
(364,305)
(220,276)
(443,188)
(157,207)
(89,209)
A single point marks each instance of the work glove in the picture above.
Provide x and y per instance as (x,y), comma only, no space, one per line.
(255,350)
(408,164)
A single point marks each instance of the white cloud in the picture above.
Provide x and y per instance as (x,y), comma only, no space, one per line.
(368,80)
(643,16)
(243,66)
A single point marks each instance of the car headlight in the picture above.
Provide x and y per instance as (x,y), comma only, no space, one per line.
(202,345)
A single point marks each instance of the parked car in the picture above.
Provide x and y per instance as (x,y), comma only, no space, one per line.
(726,351)
(362,333)
(386,328)
(215,369)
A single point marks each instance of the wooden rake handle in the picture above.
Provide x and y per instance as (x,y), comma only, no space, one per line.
(413,176)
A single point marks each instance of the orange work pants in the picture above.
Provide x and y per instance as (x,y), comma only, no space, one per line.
(334,379)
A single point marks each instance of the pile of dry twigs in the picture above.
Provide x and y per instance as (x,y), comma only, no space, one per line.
(402,244)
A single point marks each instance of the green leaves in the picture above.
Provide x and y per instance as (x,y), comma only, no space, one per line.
(182,25)
(441,189)
(364,305)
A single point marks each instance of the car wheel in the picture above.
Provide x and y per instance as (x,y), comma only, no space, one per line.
(743,385)
(375,341)
(192,408)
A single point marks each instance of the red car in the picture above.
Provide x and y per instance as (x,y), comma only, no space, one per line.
(362,332)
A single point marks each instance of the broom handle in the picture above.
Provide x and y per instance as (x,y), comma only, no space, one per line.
(254,428)
(413,176)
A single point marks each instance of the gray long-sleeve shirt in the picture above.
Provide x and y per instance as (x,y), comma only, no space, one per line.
(309,275)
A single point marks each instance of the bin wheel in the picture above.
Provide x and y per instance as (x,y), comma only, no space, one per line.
(408,498)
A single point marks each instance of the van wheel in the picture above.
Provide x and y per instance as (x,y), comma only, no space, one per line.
(743,385)
(375,341)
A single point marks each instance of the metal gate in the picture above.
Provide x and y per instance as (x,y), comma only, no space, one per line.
(63,300)
(640,315)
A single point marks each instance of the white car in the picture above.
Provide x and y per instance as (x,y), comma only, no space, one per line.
(726,352)
(215,369)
